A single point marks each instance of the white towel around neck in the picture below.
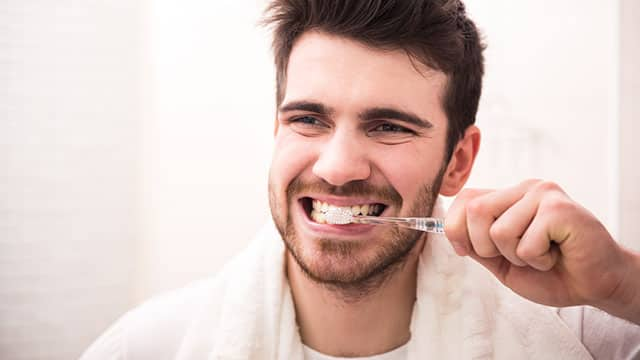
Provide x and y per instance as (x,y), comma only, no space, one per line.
(461,312)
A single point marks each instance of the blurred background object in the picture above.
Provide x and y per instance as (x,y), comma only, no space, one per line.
(133,132)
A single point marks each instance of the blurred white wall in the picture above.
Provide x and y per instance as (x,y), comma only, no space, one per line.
(69,130)
(206,140)
(135,139)
(629,129)
(550,101)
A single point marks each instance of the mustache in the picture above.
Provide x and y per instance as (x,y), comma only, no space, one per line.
(359,188)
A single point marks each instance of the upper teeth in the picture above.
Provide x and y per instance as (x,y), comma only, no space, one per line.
(321,208)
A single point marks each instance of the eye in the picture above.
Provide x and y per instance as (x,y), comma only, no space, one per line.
(307,121)
(389,133)
(307,125)
(391,128)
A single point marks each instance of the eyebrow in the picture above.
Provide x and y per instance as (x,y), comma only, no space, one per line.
(309,106)
(366,115)
(391,113)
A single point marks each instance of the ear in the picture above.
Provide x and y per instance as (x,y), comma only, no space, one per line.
(459,167)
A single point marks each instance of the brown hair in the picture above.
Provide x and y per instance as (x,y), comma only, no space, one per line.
(437,33)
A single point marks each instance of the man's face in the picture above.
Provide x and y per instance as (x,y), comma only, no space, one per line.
(361,128)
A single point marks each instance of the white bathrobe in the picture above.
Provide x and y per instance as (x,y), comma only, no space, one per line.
(247,312)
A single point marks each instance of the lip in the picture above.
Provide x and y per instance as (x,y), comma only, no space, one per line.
(346,231)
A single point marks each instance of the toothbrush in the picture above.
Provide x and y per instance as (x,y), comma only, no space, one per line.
(340,216)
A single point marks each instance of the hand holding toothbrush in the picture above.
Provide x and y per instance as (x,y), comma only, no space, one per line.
(546,247)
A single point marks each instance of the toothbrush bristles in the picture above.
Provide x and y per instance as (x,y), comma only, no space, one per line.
(338,216)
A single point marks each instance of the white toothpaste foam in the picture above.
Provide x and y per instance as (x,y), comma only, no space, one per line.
(338,216)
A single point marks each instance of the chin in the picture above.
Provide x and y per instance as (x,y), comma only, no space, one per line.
(350,262)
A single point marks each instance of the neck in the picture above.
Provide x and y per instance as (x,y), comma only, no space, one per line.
(376,323)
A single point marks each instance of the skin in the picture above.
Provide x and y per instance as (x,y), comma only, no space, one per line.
(509,231)
(546,247)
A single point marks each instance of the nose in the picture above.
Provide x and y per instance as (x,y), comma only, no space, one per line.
(342,159)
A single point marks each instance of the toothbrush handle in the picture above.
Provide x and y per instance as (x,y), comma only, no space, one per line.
(433,225)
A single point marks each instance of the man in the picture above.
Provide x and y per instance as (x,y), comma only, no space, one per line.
(376,105)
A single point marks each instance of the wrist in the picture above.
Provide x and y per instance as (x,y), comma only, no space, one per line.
(624,302)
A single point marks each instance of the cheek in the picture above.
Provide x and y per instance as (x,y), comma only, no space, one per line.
(409,167)
(291,156)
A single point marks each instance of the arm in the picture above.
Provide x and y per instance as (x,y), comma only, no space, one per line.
(625,300)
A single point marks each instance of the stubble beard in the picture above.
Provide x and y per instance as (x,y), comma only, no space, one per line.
(339,265)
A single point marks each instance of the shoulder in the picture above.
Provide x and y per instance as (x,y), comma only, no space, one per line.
(155,329)
(162,321)
(164,326)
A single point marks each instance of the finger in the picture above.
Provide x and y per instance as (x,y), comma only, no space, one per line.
(508,229)
(455,224)
(483,211)
(536,247)
(480,216)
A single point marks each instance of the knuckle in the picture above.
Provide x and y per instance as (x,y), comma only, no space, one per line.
(499,232)
(547,186)
(476,207)
(559,205)
(523,253)
(526,253)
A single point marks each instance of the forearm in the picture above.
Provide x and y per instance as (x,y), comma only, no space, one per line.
(624,302)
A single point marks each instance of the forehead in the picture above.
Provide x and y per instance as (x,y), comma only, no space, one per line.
(340,71)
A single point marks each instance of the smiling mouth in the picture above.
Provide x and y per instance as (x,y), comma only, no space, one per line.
(316,209)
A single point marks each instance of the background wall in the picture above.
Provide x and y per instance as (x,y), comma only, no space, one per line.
(135,139)
(69,171)
(550,104)
(206,139)
(629,193)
